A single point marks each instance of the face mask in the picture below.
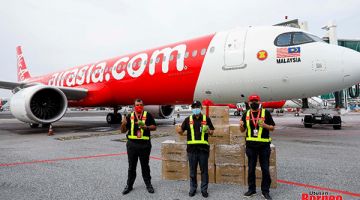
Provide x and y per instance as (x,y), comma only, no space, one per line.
(139,109)
(196,111)
(254,106)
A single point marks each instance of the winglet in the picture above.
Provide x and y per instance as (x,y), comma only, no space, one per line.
(22,71)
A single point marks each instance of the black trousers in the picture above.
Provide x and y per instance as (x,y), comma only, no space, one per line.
(198,157)
(264,155)
(138,150)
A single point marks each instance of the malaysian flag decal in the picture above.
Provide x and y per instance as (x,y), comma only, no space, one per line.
(288,54)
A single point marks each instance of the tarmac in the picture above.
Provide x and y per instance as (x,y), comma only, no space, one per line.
(86,159)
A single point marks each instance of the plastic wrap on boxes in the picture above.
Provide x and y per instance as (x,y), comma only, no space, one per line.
(235,129)
(230,174)
(221,135)
(171,150)
(219,115)
(230,154)
(175,170)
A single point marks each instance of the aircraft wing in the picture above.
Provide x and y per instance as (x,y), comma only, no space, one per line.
(70,93)
(10,85)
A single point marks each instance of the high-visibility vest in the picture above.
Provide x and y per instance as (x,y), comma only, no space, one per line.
(132,136)
(193,140)
(258,138)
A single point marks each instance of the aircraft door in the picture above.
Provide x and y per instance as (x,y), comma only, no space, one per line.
(234,54)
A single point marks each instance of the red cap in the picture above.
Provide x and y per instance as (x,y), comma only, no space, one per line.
(254,97)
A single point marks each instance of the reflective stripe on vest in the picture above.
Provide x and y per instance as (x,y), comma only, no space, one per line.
(193,140)
(132,136)
(258,138)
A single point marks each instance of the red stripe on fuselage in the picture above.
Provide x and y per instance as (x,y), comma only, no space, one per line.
(171,87)
(273,104)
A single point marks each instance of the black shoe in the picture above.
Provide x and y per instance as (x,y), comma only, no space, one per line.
(192,193)
(150,188)
(266,195)
(205,194)
(249,193)
(127,189)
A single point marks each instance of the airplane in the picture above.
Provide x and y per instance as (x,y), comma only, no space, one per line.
(272,61)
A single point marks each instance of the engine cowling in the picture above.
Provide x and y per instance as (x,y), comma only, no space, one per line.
(39,104)
(161,112)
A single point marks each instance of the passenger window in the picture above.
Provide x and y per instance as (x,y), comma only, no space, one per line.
(301,38)
(179,55)
(164,58)
(283,40)
(203,51)
(194,53)
(171,57)
(186,54)
(212,49)
(157,60)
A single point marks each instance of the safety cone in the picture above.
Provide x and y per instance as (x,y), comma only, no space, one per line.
(51,131)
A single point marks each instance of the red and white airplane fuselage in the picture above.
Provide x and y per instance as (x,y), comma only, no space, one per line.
(275,62)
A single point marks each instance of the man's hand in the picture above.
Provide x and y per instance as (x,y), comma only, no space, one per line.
(179,129)
(242,128)
(123,124)
(124,121)
(268,127)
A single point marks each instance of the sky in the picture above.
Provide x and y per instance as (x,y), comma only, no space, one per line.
(60,34)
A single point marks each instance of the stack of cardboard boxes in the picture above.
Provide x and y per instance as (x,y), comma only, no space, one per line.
(227,160)
(174,160)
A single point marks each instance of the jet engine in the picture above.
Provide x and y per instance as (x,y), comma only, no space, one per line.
(161,112)
(39,104)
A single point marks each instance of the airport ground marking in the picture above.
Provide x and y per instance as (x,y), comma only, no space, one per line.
(318,188)
(158,158)
(61,159)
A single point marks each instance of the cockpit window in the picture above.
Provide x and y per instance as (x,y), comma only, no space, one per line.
(283,39)
(301,38)
(315,38)
(295,38)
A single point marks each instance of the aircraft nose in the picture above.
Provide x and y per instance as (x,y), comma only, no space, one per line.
(351,60)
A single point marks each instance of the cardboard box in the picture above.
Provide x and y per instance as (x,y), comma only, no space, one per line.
(235,129)
(175,170)
(258,174)
(212,155)
(230,174)
(272,160)
(229,154)
(219,115)
(171,150)
(221,135)
(211,172)
(237,139)
(182,138)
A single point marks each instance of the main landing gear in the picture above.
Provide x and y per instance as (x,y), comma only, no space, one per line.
(114,118)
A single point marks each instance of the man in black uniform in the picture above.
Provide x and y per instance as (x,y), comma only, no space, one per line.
(258,123)
(198,127)
(138,124)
